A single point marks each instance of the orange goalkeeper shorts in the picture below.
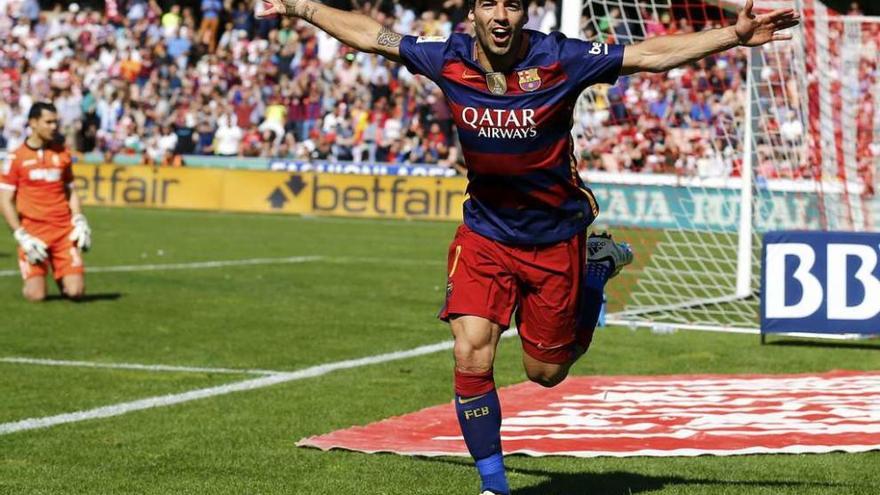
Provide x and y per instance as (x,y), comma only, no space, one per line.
(64,257)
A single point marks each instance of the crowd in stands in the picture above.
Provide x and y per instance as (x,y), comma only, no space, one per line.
(215,80)
(683,122)
(689,121)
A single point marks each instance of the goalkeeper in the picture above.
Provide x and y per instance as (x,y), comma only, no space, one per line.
(522,249)
(42,209)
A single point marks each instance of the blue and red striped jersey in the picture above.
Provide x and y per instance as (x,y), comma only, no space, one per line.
(515,130)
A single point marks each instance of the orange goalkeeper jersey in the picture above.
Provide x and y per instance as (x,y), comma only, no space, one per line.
(40,179)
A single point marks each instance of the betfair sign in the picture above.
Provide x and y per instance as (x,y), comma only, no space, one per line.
(436,198)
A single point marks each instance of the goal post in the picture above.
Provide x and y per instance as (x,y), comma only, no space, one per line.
(705,159)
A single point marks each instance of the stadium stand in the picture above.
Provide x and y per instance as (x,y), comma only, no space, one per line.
(158,85)
(147,84)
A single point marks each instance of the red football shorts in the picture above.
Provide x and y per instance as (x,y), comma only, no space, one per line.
(540,283)
(64,257)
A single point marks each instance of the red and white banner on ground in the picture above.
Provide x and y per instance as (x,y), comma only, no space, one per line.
(660,416)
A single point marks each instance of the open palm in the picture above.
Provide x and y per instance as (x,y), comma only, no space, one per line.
(272,8)
(755,30)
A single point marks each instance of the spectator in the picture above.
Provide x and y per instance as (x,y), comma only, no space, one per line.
(241,19)
(179,46)
(228,138)
(171,21)
(700,109)
(184,130)
(165,146)
(791,130)
(653,24)
(275,117)
(211,11)
(252,142)
(137,10)
(549,21)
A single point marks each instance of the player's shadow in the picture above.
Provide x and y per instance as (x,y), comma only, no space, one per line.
(88,298)
(624,483)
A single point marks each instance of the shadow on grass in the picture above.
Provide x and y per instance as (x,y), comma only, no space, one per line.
(624,483)
(88,298)
(873,343)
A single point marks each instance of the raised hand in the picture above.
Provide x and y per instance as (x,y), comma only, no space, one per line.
(297,8)
(756,30)
(272,8)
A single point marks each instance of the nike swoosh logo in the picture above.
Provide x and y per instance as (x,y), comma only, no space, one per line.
(549,348)
(470,75)
(464,401)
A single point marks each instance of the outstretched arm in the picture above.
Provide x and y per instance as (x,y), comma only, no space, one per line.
(355,30)
(663,53)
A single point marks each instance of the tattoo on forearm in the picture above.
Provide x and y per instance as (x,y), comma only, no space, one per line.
(300,8)
(388,38)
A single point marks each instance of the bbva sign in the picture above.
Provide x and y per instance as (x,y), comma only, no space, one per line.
(820,282)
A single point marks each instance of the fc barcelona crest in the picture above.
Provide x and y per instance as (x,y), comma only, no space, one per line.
(529,80)
(497,83)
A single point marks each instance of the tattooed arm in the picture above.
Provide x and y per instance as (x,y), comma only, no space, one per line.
(355,30)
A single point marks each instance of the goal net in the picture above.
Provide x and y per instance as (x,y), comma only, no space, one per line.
(699,162)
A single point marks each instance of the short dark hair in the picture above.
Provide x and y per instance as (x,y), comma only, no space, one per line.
(37,109)
(471,3)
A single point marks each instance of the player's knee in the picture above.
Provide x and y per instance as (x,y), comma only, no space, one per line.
(547,378)
(33,294)
(472,359)
(74,293)
(73,288)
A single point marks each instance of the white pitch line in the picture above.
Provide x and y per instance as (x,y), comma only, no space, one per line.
(189,266)
(164,367)
(252,384)
(135,366)
(138,405)
(245,262)
(387,261)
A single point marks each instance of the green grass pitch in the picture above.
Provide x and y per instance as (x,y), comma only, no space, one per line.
(375,289)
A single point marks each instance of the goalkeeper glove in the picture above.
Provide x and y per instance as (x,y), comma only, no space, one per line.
(34,249)
(82,233)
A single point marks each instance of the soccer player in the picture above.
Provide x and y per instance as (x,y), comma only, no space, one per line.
(39,204)
(522,247)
